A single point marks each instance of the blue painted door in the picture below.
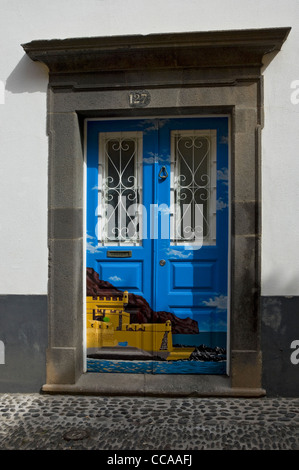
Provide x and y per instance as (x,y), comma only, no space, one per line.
(157,228)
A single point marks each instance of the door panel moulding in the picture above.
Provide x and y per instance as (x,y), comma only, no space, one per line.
(199,73)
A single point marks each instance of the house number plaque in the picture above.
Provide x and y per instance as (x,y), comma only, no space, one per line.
(139,99)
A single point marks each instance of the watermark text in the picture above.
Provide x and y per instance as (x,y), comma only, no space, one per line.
(295,93)
(2,353)
(295,354)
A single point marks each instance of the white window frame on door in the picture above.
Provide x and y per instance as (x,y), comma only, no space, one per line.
(211,135)
(102,179)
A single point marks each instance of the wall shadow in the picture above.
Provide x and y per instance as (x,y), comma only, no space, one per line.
(28,77)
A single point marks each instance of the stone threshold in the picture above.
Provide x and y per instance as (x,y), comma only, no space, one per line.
(153,385)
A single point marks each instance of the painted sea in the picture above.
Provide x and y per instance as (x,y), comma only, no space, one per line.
(156,367)
(212,340)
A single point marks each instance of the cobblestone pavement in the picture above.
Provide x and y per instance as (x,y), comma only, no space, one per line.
(61,422)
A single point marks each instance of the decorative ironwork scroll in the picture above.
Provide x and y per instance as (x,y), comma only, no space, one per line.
(120,188)
(193,187)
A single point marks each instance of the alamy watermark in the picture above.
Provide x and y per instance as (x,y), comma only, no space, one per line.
(295,354)
(184,222)
(295,94)
(2,353)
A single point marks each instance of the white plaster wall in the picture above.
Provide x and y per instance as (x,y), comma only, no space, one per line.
(23,140)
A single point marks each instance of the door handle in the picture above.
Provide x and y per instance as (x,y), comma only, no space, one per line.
(163,173)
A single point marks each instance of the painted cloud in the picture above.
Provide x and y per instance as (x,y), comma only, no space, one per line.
(222,175)
(90,244)
(220,302)
(221,205)
(114,278)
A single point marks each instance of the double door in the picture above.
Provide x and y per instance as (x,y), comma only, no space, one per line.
(157,245)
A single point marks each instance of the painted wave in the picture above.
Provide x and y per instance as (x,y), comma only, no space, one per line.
(156,367)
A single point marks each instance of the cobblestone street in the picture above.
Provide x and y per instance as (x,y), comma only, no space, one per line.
(61,422)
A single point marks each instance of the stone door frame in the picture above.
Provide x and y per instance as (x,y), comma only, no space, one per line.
(183,74)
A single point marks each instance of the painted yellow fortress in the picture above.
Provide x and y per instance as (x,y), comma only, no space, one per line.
(109,328)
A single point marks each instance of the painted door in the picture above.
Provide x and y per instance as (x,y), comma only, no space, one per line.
(157,245)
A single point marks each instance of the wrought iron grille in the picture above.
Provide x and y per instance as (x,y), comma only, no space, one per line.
(193,187)
(120,180)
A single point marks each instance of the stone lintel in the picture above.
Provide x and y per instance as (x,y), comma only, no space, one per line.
(175,50)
